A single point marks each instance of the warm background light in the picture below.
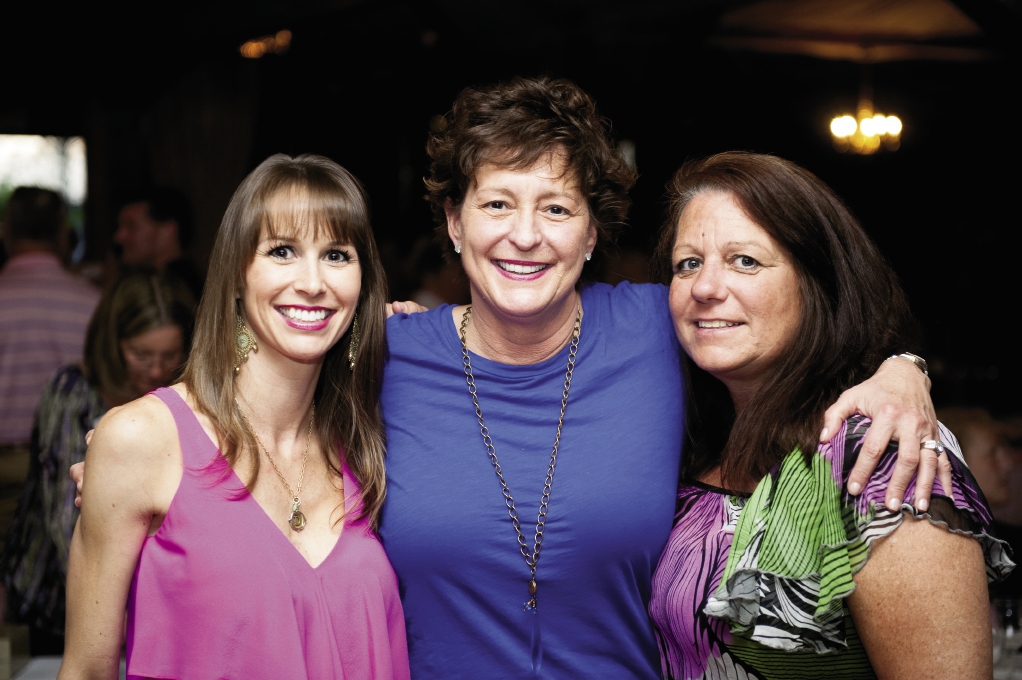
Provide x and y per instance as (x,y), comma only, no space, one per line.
(276,44)
(867,132)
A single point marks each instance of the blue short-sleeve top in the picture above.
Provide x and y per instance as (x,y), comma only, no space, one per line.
(445,525)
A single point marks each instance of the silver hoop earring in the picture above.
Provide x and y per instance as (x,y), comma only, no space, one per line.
(457,249)
(589,256)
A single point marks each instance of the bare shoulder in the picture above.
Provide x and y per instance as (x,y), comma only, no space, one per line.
(140,435)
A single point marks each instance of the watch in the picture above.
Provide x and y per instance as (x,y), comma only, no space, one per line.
(915,359)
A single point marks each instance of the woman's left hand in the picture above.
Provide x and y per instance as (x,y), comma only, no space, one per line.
(897,398)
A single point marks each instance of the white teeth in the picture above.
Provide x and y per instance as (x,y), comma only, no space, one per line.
(520,268)
(306,315)
(717,324)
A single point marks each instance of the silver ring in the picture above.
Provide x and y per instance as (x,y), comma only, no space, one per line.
(933,445)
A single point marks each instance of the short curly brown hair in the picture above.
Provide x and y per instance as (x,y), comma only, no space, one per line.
(514,124)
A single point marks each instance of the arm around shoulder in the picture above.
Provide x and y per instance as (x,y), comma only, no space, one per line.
(133,456)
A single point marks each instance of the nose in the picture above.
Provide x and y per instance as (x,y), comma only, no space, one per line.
(525,234)
(309,278)
(709,285)
(158,375)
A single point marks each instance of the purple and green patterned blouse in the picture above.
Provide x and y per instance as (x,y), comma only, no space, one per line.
(755,586)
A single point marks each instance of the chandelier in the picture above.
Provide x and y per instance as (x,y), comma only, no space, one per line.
(867,132)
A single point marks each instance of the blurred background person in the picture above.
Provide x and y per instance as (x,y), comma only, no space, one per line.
(992,460)
(440,281)
(44,311)
(137,341)
(154,227)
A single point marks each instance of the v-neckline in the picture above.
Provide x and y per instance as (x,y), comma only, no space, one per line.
(272,526)
(345,475)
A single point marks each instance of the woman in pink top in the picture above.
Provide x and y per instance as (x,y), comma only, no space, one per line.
(233,514)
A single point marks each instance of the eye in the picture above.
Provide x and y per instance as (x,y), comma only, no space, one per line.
(338,256)
(280,252)
(745,262)
(496,205)
(558,210)
(689,264)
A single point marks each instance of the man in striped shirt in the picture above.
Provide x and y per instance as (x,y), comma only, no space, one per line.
(44,312)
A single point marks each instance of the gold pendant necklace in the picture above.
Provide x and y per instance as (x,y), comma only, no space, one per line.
(531,559)
(296,519)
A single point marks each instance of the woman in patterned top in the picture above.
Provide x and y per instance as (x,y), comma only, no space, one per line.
(772,569)
(136,341)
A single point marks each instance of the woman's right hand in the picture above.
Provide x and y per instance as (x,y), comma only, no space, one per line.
(406,307)
(78,473)
(78,477)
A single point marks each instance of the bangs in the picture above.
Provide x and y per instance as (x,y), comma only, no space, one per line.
(296,211)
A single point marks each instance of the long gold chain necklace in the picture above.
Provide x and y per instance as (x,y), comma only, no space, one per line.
(297,518)
(531,559)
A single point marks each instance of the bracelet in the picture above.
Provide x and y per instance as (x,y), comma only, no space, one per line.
(915,359)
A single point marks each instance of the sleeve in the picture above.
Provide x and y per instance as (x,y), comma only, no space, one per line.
(801,538)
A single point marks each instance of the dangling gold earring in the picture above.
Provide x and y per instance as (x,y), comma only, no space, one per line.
(244,343)
(353,343)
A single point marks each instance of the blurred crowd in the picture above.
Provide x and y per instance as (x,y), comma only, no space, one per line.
(71,348)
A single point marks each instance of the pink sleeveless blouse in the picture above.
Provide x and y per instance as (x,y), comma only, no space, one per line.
(219,591)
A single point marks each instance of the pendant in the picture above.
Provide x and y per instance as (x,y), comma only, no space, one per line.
(297,519)
(530,606)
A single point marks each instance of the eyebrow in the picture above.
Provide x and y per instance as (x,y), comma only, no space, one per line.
(729,244)
(292,239)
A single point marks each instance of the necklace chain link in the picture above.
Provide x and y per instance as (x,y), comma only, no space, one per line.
(297,518)
(531,558)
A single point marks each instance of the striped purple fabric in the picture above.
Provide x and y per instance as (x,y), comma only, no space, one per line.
(44,312)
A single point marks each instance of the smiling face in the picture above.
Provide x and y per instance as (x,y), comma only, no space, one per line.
(300,296)
(734,295)
(524,235)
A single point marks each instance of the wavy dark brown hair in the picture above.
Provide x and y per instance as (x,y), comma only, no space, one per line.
(854,315)
(513,125)
(320,195)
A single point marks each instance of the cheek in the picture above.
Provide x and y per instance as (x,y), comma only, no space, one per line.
(678,301)
(347,285)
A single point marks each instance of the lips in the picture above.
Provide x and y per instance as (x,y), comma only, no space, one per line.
(520,268)
(717,323)
(305,318)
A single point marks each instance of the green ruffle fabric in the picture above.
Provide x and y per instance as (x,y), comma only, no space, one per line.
(799,541)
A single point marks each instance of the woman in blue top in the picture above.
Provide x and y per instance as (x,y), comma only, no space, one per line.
(534,436)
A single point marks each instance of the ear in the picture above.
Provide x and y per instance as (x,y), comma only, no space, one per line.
(453,221)
(592,237)
(172,229)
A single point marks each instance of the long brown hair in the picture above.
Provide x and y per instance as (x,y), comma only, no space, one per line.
(853,315)
(322,196)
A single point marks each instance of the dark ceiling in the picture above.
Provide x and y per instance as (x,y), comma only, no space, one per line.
(164,95)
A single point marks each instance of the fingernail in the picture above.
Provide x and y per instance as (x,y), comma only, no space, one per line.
(823,435)
(853,488)
(922,504)
(894,504)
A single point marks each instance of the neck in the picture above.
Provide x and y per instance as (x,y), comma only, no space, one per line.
(25,246)
(167,255)
(741,394)
(520,341)
(275,395)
